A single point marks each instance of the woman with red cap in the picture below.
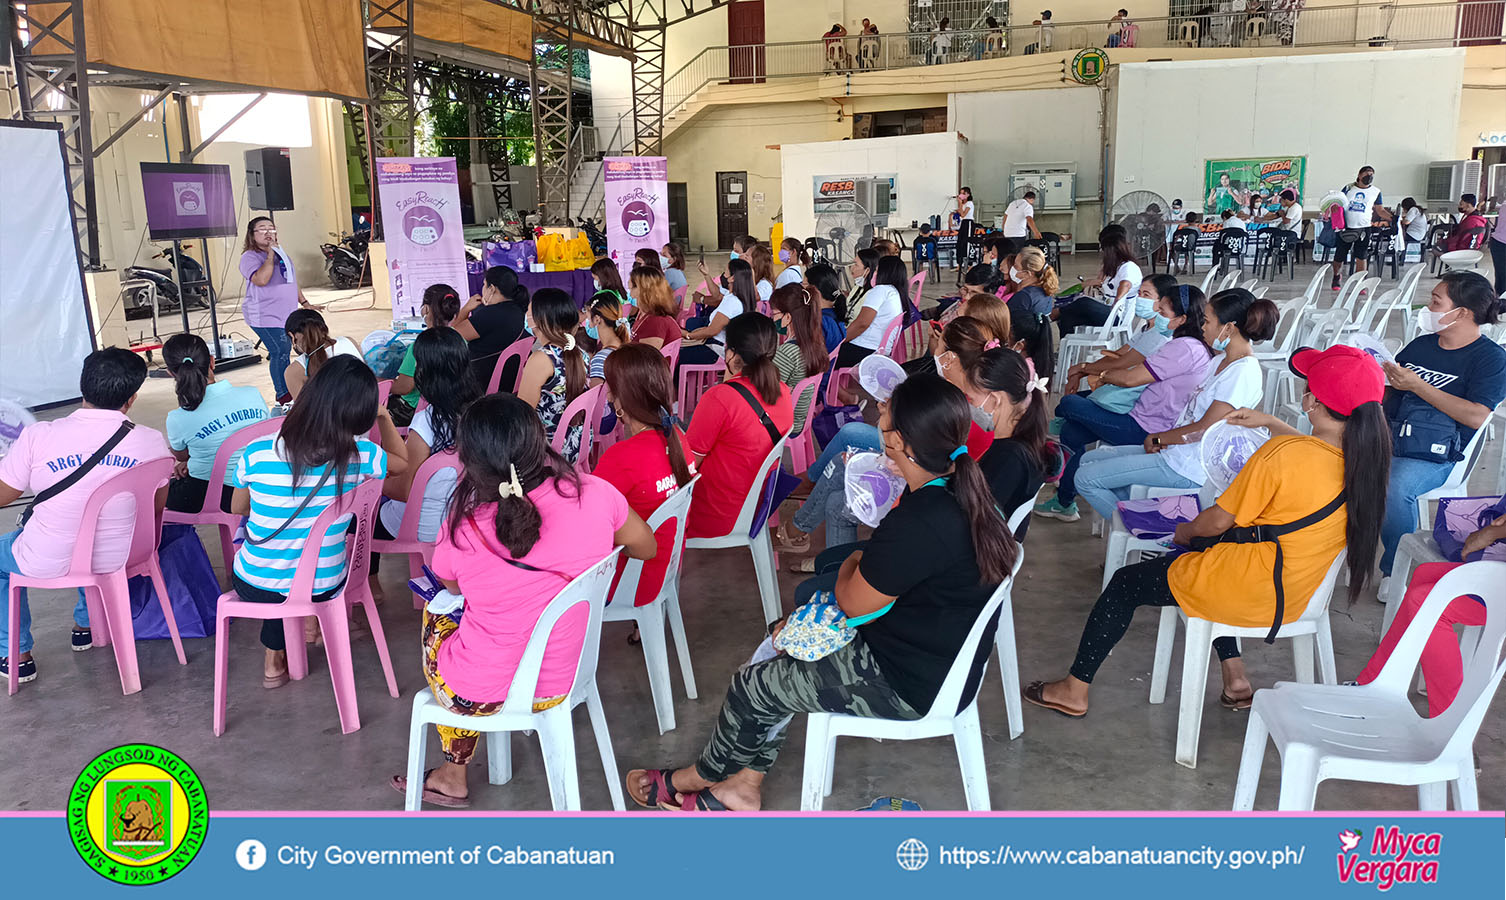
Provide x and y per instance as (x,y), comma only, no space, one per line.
(1318,492)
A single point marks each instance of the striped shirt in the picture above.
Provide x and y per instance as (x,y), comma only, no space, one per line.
(269,477)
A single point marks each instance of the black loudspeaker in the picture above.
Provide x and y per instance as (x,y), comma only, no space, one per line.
(269,179)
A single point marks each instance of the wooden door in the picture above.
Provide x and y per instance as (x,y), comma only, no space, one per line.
(731,207)
(745,63)
(679,212)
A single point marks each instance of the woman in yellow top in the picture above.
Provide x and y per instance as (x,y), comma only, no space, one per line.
(1291,478)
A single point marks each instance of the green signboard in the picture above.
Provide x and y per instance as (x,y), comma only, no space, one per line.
(1089,66)
(1229,183)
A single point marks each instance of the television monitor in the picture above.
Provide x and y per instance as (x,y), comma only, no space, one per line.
(188,200)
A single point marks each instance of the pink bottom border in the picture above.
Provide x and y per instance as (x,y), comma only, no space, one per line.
(855,814)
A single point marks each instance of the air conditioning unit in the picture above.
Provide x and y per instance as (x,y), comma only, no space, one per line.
(1495,188)
(876,195)
(1057,182)
(1448,180)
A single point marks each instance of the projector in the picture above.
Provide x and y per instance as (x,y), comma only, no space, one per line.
(231,348)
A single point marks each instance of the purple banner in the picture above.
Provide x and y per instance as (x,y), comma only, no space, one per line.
(421,216)
(637,206)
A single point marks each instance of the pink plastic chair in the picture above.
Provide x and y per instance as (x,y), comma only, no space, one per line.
(695,381)
(107,593)
(419,552)
(211,514)
(912,341)
(889,342)
(384,391)
(671,352)
(518,350)
(588,407)
(680,293)
(802,443)
(333,614)
(422,405)
(917,284)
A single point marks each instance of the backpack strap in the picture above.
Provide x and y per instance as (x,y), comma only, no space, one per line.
(758,409)
(72,478)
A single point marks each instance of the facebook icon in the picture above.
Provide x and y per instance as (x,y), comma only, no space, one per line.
(251,854)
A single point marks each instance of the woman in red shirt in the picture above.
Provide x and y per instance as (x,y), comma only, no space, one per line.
(736,424)
(656,324)
(651,464)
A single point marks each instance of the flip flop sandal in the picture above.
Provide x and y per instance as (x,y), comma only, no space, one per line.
(634,639)
(702,801)
(661,790)
(1237,704)
(400,784)
(806,566)
(1034,692)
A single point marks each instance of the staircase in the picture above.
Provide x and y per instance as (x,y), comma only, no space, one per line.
(588,148)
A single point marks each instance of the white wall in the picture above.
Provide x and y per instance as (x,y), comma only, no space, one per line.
(926,166)
(1396,111)
(611,98)
(1005,128)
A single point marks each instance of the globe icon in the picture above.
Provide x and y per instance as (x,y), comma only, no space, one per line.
(912,855)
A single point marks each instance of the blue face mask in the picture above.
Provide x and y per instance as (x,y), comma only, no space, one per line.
(1145,308)
(527,327)
(591,333)
(735,255)
(1220,345)
(1163,324)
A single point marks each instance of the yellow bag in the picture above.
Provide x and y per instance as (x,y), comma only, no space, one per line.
(554,253)
(581,252)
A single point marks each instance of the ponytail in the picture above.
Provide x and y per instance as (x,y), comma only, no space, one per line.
(993,545)
(669,426)
(1190,303)
(754,339)
(640,387)
(555,318)
(1003,369)
(1033,260)
(1367,471)
(187,359)
(308,326)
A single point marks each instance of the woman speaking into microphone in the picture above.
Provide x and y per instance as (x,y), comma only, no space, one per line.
(272,294)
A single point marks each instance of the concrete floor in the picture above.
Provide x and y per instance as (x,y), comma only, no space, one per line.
(283,749)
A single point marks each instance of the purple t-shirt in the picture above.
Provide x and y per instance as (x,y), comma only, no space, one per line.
(269,305)
(1178,367)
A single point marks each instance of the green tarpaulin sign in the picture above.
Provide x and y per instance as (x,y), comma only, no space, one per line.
(1229,183)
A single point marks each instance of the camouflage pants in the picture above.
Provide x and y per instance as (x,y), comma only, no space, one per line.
(763,696)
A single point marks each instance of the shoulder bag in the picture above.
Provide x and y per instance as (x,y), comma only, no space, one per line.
(72,478)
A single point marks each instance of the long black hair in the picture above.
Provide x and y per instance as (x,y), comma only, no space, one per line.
(1003,369)
(443,301)
(308,325)
(753,337)
(795,301)
(187,358)
(741,283)
(1470,290)
(336,406)
(555,318)
(932,417)
(499,435)
(828,283)
(1033,332)
(1189,302)
(1114,248)
(442,371)
(891,271)
(1367,472)
(505,282)
(640,386)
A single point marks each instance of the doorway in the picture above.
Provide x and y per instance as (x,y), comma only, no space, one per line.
(731,207)
(745,59)
(679,213)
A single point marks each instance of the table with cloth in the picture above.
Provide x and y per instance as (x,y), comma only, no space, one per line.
(576,283)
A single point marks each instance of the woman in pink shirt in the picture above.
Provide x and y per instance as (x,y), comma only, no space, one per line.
(522,525)
(272,293)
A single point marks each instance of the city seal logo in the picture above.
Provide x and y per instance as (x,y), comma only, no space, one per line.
(137,814)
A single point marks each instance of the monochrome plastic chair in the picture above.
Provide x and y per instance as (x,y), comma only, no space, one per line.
(210,513)
(1079,345)
(696,380)
(912,341)
(1316,284)
(1349,290)
(802,443)
(384,391)
(944,718)
(1461,261)
(651,616)
(671,351)
(1372,732)
(1004,641)
(1414,550)
(554,726)
(588,407)
(1457,484)
(1231,278)
(519,351)
(107,594)
(333,614)
(917,285)
(889,342)
(743,535)
(1312,626)
(1208,278)
(406,541)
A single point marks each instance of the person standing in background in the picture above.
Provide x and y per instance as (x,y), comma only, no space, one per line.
(941,41)
(1019,220)
(1362,204)
(272,294)
(1498,249)
(963,217)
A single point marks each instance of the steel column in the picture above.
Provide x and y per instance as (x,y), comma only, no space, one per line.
(648,76)
(389,83)
(553,121)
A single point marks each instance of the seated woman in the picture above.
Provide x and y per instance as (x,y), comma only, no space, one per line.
(312,347)
(608,327)
(1154,386)
(555,373)
(606,277)
(761,258)
(209,411)
(447,385)
(827,285)
(284,482)
(1442,664)
(978,280)
(1035,283)
(522,525)
(1338,473)
(989,315)
(735,426)
(796,261)
(862,269)
(883,304)
(1442,388)
(643,256)
(656,323)
(797,315)
(928,571)
(1119,277)
(1171,458)
(672,259)
(439,308)
(738,296)
(493,321)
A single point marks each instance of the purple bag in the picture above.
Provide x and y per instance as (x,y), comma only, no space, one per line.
(516,255)
(1157,517)
(1458,518)
(192,588)
(831,419)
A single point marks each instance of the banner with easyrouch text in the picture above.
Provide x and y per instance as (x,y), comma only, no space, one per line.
(421,219)
(637,206)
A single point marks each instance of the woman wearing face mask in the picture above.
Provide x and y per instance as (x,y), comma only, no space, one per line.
(1036,283)
(606,277)
(1170,458)
(609,328)
(979,280)
(1145,342)
(1441,389)
(797,315)
(1118,277)
(655,323)
(823,280)
(796,260)
(762,260)
(673,258)
(738,296)
(864,267)
(555,373)
(1154,389)
(1333,478)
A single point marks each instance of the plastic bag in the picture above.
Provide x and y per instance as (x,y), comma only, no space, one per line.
(193,590)
(581,254)
(1460,517)
(516,255)
(873,487)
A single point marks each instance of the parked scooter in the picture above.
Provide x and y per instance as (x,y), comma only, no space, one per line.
(190,275)
(345,261)
(594,234)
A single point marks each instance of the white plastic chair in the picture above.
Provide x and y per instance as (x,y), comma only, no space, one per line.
(1114,332)
(554,727)
(1229,280)
(1207,286)
(1414,550)
(1201,633)
(1316,283)
(1362,322)
(1121,544)
(1371,732)
(1350,289)
(823,729)
(1461,261)
(1004,642)
(1457,484)
(650,617)
(764,565)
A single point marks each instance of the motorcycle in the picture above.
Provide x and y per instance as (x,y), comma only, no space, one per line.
(190,275)
(594,234)
(345,261)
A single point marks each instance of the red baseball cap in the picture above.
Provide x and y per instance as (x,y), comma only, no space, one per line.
(1341,377)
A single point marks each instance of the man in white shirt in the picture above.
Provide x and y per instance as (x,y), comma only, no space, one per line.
(1289,216)
(1362,204)
(1229,220)
(1019,218)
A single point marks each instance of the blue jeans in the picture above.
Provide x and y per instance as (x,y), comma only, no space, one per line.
(1085,423)
(828,503)
(1108,472)
(1410,479)
(855,436)
(279,348)
(8,568)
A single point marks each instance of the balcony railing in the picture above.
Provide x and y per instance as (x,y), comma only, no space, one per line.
(1453,24)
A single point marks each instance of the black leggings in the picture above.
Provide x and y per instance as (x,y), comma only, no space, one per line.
(1082,312)
(851,354)
(1143,584)
(187,495)
(272,636)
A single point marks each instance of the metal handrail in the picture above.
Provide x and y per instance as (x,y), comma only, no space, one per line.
(1440,24)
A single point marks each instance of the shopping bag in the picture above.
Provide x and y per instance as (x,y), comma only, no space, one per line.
(192,588)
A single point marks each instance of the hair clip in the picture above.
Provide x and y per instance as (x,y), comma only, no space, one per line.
(991,344)
(569,342)
(667,420)
(807,294)
(510,488)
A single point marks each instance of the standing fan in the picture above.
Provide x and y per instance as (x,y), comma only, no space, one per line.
(1143,215)
(842,229)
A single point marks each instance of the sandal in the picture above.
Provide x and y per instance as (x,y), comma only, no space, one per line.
(271,682)
(702,801)
(661,790)
(788,544)
(806,566)
(1035,693)
(634,639)
(1238,704)
(400,784)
